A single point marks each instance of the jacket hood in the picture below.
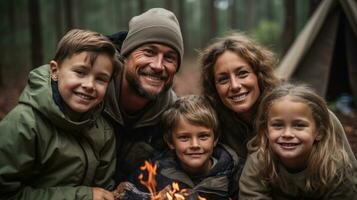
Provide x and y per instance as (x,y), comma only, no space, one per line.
(39,95)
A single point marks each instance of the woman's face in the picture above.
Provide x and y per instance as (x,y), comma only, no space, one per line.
(236,83)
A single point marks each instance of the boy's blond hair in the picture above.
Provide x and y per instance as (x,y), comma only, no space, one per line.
(195,109)
(328,150)
(76,41)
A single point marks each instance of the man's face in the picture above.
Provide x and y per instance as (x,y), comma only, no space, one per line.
(150,69)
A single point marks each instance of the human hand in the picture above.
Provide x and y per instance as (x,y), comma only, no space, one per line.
(102,194)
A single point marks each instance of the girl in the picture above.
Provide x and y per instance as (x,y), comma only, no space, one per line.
(296,153)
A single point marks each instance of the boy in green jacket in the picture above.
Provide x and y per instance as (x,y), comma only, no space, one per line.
(55,144)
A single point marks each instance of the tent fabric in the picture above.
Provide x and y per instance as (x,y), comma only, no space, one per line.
(324,54)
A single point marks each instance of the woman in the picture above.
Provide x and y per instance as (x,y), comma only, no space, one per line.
(235,73)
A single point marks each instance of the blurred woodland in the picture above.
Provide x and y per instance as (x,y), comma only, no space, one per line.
(30,30)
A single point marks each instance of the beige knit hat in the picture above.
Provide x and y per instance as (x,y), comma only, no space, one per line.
(155,25)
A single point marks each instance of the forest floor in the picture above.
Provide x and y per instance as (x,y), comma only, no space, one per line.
(187,81)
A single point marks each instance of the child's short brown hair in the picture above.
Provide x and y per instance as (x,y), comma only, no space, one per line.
(195,109)
(76,41)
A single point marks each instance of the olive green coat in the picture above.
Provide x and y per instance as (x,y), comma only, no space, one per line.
(253,186)
(45,155)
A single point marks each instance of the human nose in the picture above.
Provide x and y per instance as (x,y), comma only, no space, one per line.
(157,62)
(287,132)
(235,84)
(195,143)
(88,83)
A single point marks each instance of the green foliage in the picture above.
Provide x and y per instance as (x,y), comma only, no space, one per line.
(268,33)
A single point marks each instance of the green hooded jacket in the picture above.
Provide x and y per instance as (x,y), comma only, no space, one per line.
(45,155)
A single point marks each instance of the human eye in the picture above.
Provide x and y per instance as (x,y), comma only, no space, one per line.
(103,79)
(204,136)
(148,51)
(242,73)
(277,125)
(170,58)
(80,72)
(221,80)
(183,138)
(299,125)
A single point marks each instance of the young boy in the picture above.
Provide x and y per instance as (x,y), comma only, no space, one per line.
(196,161)
(55,144)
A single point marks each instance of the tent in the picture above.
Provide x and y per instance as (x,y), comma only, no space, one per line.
(324,55)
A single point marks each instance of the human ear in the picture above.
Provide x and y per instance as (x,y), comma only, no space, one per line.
(318,137)
(54,70)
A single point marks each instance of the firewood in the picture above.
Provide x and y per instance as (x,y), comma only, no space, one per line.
(127,191)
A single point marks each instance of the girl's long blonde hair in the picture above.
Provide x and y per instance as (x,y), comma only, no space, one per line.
(328,152)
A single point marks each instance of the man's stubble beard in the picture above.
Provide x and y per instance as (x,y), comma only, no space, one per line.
(135,85)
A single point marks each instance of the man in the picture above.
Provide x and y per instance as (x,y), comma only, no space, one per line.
(152,53)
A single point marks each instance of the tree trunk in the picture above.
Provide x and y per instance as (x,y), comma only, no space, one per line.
(79,13)
(69,14)
(269,9)
(250,14)
(1,79)
(212,19)
(288,34)
(234,18)
(36,33)
(181,19)
(12,21)
(141,6)
(169,4)
(57,6)
(127,9)
(313,5)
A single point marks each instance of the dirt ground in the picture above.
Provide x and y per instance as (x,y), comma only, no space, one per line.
(187,81)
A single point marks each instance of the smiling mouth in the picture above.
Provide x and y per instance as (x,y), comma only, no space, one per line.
(84,96)
(158,76)
(194,154)
(239,98)
(154,77)
(288,145)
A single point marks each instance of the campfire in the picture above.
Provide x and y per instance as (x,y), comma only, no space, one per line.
(127,191)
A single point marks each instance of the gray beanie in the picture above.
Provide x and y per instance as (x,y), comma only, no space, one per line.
(155,25)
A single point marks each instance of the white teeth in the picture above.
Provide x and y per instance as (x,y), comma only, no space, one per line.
(83,96)
(239,97)
(154,77)
(288,144)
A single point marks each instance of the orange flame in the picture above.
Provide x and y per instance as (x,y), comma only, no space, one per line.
(151,182)
(173,193)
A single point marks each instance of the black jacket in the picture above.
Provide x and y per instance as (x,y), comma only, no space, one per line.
(220,183)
